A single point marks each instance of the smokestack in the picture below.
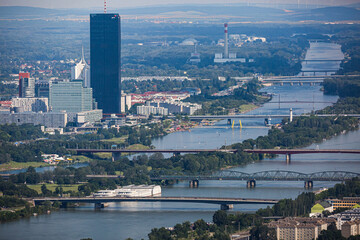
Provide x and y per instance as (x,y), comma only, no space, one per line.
(226,45)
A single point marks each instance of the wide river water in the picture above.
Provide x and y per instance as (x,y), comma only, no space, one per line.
(135,220)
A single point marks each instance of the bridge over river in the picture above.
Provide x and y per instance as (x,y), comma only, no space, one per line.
(272,175)
(225,203)
(289,152)
(116,153)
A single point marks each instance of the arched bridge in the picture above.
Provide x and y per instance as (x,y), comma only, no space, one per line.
(272,175)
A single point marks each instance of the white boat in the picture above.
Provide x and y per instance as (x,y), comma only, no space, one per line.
(105,193)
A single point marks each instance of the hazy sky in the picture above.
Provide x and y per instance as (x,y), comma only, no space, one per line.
(138,3)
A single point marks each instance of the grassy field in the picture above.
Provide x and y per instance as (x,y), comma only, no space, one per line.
(52,187)
(247,107)
(138,147)
(103,155)
(20,165)
(116,140)
(81,158)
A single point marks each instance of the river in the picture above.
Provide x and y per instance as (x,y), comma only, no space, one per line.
(135,220)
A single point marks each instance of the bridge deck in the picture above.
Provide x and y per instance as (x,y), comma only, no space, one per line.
(302,151)
(265,116)
(155,150)
(160,199)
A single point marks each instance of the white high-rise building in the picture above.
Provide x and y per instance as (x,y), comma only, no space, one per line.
(125,102)
(81,71)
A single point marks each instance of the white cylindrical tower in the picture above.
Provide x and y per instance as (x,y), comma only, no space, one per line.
(291,115)
(226,44)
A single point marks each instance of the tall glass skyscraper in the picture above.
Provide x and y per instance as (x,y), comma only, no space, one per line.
(105,60)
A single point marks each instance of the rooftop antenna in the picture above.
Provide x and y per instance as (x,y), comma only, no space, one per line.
(82,54)
(104,6)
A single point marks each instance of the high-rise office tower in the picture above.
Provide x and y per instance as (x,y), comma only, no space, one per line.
(105,54)
(26,85)
(70,96)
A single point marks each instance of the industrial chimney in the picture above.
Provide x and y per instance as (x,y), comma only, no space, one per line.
(226,44)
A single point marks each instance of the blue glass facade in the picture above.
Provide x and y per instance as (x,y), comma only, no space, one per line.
(105,60)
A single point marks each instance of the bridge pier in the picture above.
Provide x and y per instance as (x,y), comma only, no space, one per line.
(101,205)
(288,158)
(308,184)
(226,206)
(64,205)
(194,183)
(115,156)
(176,154)
(251,184)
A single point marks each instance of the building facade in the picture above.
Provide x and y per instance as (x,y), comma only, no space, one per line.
(147,110)
(26,85)
(346,202)
(30,104)
(126,102)
(48,119)
(300,228)
(92,116)
(42,88)
(71,97)
(105,59)
(350,228)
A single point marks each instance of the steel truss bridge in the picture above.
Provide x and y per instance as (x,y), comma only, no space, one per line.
(272,175)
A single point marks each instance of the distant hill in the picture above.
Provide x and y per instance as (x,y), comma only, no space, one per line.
(26,12)
(205,9)
(230,12)
(328,14)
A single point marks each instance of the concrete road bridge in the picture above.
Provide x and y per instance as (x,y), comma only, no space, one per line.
(289,152)
(225,203)
(116,153)
(272,175)
(243,116)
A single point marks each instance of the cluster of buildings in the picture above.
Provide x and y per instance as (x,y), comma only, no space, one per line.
(227,57)
(53,104)
(131,191)
(167,107)
(301,228)
(165,103)
(90,92)
(93,93)
(54,159)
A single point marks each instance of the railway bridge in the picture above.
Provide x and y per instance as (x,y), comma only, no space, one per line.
(272,175)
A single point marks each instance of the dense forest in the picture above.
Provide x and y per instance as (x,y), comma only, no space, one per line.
(32,143)
(346,86)
(344,105)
